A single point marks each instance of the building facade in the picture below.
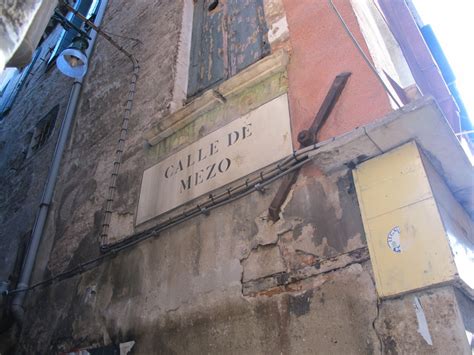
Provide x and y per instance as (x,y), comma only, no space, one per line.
(187,213)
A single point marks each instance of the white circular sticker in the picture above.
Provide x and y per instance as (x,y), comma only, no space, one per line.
(393,240)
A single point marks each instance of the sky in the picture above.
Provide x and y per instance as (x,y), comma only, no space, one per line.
(453,23)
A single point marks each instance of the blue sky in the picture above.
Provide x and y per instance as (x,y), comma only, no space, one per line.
(453,23)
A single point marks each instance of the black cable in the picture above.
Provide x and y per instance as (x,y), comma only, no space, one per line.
(138,238)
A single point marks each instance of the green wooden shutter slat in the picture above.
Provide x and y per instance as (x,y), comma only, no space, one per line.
(225,40)
(208,63)
(247,33)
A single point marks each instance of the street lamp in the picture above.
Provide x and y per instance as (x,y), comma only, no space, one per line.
(72,61)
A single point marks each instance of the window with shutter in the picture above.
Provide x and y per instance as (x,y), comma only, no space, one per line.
(228,36)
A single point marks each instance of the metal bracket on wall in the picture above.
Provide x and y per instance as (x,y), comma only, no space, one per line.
(306,138)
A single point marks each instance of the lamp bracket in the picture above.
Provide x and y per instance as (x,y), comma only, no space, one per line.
(68,25)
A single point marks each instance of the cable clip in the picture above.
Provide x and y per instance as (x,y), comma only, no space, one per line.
(212,199)
(294,157)
(258,186)
(203,210)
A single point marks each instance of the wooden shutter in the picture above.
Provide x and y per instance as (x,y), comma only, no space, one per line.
(247,33)
(226,39)
(209,48)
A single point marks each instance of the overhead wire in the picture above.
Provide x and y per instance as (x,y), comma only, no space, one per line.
(362,53)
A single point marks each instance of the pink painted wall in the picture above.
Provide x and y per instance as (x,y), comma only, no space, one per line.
(321,49)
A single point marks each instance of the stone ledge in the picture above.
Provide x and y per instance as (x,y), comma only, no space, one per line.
(251,76)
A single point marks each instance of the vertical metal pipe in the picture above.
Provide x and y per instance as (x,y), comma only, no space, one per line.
(123,131)
(36,236)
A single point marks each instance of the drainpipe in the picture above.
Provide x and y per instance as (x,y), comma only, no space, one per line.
(29,262)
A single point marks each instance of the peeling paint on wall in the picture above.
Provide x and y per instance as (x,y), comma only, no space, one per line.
(278,30)
(422,323)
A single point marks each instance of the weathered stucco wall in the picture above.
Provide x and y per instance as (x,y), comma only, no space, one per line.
(233,281)
(22,175)
(91,152)
(194,288)
(206,285)
(402,331)
(321,49)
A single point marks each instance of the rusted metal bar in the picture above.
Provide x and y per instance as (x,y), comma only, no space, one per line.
(280,197)
(306,138)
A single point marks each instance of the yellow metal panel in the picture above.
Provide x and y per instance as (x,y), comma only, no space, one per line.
(407,242)
(393,180)
(424,258)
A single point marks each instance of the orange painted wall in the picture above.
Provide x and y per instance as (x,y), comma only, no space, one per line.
(321,49)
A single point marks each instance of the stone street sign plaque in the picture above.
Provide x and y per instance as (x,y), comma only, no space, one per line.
(243,146)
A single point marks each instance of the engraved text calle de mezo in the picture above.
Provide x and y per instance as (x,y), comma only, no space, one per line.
(241,147)
(200,158)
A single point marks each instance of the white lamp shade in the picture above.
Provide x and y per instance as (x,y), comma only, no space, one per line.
(72,62)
